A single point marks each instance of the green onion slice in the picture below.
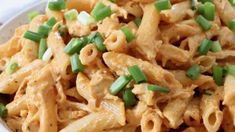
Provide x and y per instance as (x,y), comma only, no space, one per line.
(157,88)
(44,30)
(98,40)
(137,21)
(205,47)
(163,5)
(42,48)
(137,74)
(194,72)
(12,68)
(209,11)
(203,22)
(56,5)
(129,35)
(76,64)
(232,2)
(230,69)
(75,45)
(231,24)
(3,111)
(216,47)
(71,15)
(119,84)
(36,37)
(51,22)
(204,1)
(218,75)
(129,98)
(193,4)
(101,11)
(32,15)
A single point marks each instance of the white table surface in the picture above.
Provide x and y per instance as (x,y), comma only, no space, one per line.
(8,8)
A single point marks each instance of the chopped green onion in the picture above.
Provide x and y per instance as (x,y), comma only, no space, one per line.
(75,45)
(137,74)
(98,40)
(119,84)
(113,1)
(193,72)
(32,15)
(163,5)
(137,21)
(51,22)
(205,24)
(129,35)
(230,69)
(36,37)
(158,88)
(85,19)
(209,11)
(231,24)
(76,63)
(12,68)
(44,30)
(216,47)
(42,48)
(208,92)
(204,1)
(56,5)
(3,111)
(101,11)
(200,9)
(71,15)
(232,2)
(193,4)
(205,47)
(129,98)
(47,55)
(63,30)
(218,75)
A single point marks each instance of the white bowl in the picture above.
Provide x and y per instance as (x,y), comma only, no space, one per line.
(8,28)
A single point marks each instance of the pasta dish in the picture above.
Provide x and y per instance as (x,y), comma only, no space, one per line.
(122,66)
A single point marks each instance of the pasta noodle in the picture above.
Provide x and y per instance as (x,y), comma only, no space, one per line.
(121,66)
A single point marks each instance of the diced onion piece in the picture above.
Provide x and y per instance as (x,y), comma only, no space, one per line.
(85,19)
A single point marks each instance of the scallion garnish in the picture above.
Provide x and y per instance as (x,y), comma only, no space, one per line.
(51,22)
(44,30)
(194,72)
(218,75)
(137,21)
(231,24)
(101,11)
(129,98)
(47,55)
(36,37)
(203,22)
(119,84)
(232,2)
(12,67)
(42,48)
(205,47)
(3,111)
(216,47)
(193,4)
(209,11)
(56,5)
(230,69)
(71,15)
(137,74)
(157,88)
(32,15)
(129,35)
(75,45)
(163,5)
(98,40)
(76,63)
